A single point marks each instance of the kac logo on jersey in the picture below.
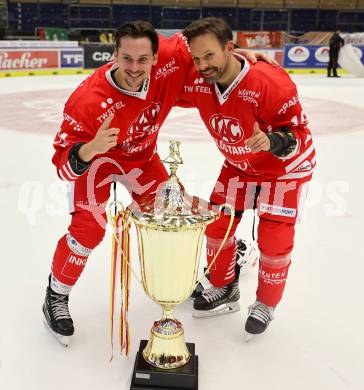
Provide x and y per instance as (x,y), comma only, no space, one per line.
(227,128)
(144,124)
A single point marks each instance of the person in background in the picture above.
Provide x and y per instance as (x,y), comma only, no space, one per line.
(106,37)
(335,44)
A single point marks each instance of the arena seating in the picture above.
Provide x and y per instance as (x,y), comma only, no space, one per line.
(272,15)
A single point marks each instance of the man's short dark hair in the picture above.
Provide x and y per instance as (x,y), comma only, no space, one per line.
(137,29)
(216,26)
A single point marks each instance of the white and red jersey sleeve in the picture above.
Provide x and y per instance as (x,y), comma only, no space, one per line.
(74,129)
(279,108)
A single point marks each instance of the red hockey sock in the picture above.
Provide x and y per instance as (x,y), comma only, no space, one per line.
(69,261)
(271,283)
(223,270)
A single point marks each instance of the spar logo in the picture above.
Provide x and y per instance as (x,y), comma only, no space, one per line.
(226,128)
(144,124)
(298,54)
(322,54)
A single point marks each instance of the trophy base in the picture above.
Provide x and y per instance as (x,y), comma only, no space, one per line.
(147,377)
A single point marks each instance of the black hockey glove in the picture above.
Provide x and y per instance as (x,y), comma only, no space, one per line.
(282,142)
(78,166)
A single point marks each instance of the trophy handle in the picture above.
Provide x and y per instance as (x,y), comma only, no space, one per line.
(232,216)
(119,206)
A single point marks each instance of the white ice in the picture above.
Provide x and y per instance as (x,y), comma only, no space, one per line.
(317,338)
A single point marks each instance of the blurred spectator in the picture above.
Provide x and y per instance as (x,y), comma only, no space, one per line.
(335,44)
(106,37)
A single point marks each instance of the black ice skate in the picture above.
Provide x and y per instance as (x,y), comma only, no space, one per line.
(202,285)
(247,256)
(57,317)
(259,317)
(217,301)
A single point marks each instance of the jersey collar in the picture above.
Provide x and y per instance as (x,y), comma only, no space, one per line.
(224,96)
(142,94)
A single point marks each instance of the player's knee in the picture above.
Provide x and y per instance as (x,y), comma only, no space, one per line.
(275,241)
(217,229)
(88,237)
(76,247)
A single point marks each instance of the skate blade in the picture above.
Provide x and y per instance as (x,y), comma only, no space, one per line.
(249,336)
(63,340)
(219,311)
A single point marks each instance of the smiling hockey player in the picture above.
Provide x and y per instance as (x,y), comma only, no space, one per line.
(254,115)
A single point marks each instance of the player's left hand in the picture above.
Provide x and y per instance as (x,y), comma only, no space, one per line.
(254,56)
(258,142)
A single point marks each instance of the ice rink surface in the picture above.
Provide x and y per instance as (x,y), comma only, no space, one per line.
(316,341)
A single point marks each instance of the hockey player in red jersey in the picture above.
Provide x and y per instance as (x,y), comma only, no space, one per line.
(110,127)
(109,132)
(255,117)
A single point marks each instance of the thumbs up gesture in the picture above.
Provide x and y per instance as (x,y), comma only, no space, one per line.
(258,142)
(105,139)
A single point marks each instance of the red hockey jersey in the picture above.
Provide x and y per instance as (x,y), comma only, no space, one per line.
(139,115)
(260,93)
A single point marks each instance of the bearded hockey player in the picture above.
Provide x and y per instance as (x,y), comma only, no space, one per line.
(255,117)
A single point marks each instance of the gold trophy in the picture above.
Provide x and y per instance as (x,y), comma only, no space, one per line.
(170,233)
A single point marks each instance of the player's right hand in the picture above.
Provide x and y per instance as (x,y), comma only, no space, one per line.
(259,141)
(106,137)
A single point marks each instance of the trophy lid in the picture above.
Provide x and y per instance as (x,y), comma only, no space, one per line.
(172,208)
